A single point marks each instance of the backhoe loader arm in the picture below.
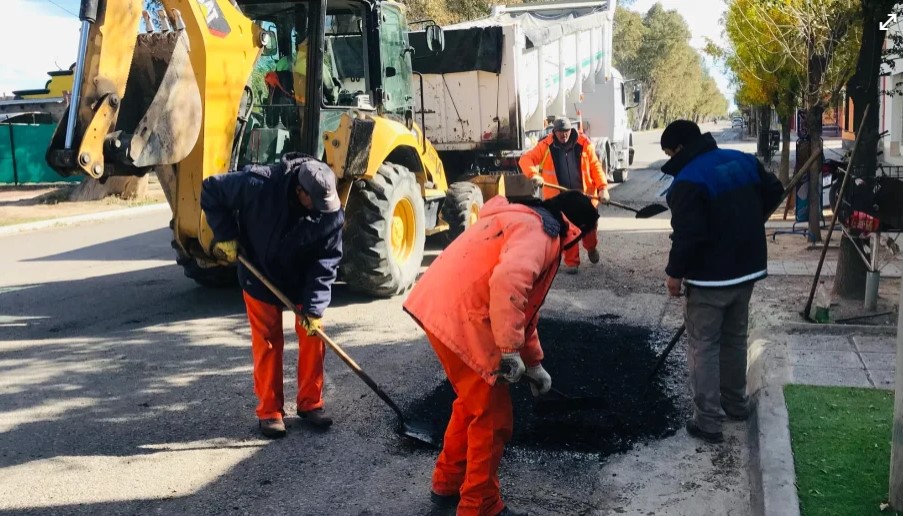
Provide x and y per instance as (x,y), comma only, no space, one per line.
(166,100)
(106,45)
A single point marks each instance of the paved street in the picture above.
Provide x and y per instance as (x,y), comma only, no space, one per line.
(126,389)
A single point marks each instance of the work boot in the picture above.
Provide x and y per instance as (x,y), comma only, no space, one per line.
(316,418)
(709,437)
(593,255)
(272,428)
(508,511)
(570,269)
(445,501)
(736,414)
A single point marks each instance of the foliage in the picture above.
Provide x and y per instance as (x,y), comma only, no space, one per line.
(841,447)
(654,49)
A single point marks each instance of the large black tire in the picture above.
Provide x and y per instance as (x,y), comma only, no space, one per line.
(210,277)
(620,175)
(376,261)
(462,204)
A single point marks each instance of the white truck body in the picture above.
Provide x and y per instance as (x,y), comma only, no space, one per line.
(502,79)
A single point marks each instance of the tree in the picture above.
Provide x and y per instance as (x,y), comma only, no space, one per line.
(766,73)
(654,49)
(818,37)
(849,281)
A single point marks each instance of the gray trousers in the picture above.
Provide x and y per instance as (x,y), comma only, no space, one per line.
(717,322)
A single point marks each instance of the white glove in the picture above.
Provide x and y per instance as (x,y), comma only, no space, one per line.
(542,376)
(537,180)
(511,367)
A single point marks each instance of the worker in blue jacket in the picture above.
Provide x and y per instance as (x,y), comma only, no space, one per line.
(719,202)
(287,220)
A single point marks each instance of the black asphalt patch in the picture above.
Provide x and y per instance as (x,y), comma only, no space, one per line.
(606,360)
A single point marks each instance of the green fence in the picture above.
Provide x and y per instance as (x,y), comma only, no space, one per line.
(22,149)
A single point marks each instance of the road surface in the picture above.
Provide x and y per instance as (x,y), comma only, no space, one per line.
(126,389)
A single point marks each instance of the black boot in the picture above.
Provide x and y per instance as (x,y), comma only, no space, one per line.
(316,418)
(445,501)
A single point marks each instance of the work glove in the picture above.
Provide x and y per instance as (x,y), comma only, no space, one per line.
(312,324)
(542,377)
(226,251)
(537,180)
(512,367)
(604,196)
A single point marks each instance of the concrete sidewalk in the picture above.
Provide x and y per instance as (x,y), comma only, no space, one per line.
(832,355)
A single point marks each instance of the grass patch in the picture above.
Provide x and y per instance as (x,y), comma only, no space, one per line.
(841,448)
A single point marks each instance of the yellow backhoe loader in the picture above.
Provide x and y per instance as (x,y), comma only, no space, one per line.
(208,86)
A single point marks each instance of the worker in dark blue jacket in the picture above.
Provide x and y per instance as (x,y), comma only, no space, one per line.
(287,220)
(719,202)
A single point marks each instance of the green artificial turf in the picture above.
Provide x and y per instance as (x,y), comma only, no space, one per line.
(841,448)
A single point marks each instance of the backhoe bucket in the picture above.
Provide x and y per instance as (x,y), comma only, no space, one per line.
(160,115)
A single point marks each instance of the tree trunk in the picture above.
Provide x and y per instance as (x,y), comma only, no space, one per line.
(124,187)
(816,110)
(849,280)
(764,128)
(784,170)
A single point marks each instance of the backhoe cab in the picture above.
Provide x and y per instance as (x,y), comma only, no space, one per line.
(213,85)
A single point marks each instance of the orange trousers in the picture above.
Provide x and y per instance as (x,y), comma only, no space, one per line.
(590,241)
(481,423)
(267,342)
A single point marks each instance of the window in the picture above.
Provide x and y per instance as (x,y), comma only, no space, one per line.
(396,62)
(345,77)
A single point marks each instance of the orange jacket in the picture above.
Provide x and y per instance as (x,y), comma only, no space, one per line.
(540,158)
(481,296)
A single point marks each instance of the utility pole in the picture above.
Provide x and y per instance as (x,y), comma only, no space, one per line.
(896,446)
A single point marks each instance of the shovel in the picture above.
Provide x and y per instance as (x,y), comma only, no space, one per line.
(561,402)
(404,428)
(642,213)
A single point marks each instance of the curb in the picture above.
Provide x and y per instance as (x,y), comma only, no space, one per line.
(837,329)
(79,219)
(772,474)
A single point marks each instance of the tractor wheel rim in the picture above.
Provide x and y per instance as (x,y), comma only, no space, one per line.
(473,215)
(403,226)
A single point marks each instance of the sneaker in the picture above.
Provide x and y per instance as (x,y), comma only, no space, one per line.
(508,511)
(709,437)
(316,418)
(272,428)
(446,501)
(570,269)
(593,255)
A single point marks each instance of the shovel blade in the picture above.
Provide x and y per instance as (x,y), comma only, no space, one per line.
(419,436)
(550,406)
(650,211)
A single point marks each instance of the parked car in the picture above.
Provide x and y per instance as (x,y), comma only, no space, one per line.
(738,122)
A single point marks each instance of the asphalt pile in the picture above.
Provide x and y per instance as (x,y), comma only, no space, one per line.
(601,359)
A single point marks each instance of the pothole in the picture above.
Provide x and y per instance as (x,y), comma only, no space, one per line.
(607,360)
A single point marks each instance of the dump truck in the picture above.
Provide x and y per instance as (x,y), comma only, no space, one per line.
(203,87)
(502,79)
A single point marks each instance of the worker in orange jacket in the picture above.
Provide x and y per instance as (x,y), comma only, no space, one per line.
(568,158)
(478,304)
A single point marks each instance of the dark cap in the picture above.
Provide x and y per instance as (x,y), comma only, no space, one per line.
(679,132)
(318,180)
(562,124)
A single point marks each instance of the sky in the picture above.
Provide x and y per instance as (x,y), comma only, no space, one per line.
(57,23)
(704,19)
(37,37)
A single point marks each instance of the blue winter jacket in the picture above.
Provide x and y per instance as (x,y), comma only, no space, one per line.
(719,202)
(296,249)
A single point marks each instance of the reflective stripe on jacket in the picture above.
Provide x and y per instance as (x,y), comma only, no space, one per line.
(539,158)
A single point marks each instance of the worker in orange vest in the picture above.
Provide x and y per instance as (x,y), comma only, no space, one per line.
(478,304)
(568,158)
